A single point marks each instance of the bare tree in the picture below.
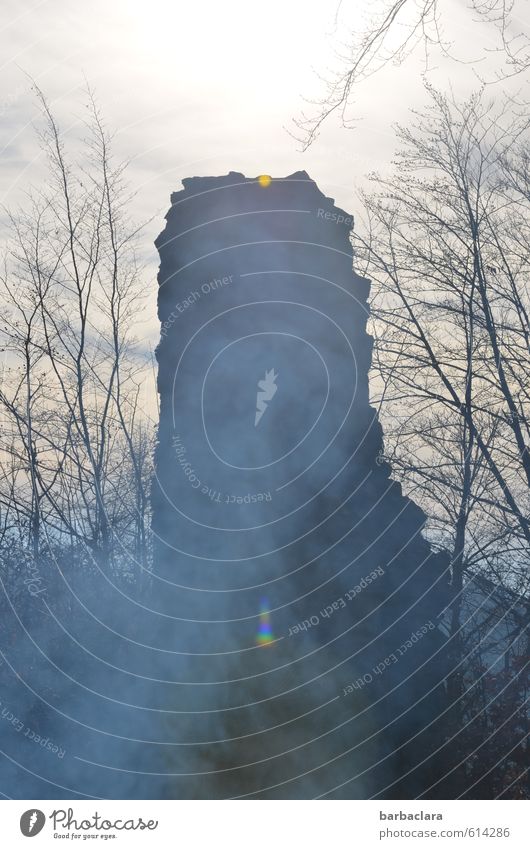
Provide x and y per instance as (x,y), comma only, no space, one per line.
(75,442)
(392,32)
(446,243)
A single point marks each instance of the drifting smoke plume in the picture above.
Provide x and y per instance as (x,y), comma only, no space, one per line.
(288,646)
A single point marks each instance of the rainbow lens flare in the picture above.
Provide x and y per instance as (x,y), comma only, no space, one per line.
(264,636)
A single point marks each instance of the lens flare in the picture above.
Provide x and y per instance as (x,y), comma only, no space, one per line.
(264,635)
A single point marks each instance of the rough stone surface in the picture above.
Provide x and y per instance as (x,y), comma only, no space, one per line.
(289,567)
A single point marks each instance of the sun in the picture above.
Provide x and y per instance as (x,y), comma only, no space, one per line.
(264,180)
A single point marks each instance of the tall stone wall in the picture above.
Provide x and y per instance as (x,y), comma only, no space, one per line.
(295,596)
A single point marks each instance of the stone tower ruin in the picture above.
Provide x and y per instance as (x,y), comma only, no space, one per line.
(297,597)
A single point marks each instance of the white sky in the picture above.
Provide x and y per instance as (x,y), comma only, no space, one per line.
(200,87)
